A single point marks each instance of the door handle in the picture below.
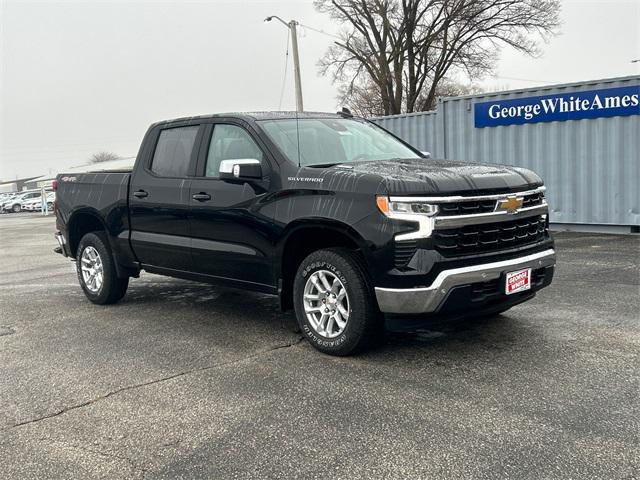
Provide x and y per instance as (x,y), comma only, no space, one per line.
(140,194)
(201,197)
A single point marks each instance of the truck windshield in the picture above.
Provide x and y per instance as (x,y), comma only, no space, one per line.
(328,141)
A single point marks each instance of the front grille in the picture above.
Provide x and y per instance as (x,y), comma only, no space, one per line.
(466,207)
(490,237)
(532,200)
(404,252)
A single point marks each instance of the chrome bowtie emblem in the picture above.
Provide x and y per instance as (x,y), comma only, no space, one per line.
(510,204)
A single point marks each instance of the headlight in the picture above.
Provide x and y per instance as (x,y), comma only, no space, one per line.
(411,211)
(400,209)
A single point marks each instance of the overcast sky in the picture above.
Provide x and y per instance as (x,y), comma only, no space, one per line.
(84,76)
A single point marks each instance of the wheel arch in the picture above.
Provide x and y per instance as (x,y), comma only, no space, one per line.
(80,223)
(303,237)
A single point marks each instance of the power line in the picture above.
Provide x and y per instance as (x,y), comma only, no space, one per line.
(292,27)
(284,76)
(436,47)
(494,76)
(319,31)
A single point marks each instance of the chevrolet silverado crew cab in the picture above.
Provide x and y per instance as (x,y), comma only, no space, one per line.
(349,225)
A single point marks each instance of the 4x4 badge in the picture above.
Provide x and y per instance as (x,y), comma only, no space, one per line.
(510,204)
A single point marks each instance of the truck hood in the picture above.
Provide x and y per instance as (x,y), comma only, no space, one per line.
(427,176)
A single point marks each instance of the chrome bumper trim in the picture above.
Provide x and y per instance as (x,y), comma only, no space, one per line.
(430,299)
(491,217)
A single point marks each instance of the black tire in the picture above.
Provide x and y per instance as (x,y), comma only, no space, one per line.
(16,208)
(364,326)
(113,288)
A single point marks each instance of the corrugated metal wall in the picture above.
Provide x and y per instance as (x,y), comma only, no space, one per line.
(591,167)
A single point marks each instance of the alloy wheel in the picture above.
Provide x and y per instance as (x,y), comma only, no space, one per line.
(326,303)
(92,269)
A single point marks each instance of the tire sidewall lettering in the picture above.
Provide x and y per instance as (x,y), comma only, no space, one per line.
(327,343)
(323,265)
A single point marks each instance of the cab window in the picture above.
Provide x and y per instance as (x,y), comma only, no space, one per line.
(173,151)
(229,142)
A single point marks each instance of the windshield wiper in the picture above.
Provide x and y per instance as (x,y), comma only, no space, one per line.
(323,165)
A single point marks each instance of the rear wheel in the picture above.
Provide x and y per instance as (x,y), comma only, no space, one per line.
(16,208)
(97,272)
(334,302)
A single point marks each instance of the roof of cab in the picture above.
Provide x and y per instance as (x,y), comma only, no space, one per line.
(273,115)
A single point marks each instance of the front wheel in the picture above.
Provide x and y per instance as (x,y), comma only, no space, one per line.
(334,303)
(16,208)
(97,272)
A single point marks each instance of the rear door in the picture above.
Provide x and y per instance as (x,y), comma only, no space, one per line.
(231,239)
(159,197)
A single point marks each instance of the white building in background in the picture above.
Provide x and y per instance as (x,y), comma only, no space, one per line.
(113,165)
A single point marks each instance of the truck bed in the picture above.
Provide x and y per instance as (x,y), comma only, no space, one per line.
(99,192)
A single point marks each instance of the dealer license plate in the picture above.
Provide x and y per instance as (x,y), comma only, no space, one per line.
(518,281)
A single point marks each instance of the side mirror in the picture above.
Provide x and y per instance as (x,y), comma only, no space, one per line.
(426,154)
(241,169)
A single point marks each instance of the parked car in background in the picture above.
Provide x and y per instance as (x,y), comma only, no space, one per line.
(14,205)
(5,197)
(35,204)
(30,205)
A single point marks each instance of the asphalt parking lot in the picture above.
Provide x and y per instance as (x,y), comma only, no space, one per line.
(183,380)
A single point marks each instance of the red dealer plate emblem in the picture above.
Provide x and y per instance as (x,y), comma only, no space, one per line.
(518,281)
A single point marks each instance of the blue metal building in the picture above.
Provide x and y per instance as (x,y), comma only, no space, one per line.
(582,138)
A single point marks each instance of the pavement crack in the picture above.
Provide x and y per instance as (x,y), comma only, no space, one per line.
(152,382)
(286,345)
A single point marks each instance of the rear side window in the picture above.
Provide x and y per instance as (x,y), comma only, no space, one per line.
(173,151)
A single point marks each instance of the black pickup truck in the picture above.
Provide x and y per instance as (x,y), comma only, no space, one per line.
(346,223)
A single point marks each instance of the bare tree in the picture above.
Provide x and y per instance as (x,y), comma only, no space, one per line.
(406,48)
(450,88)
(103,157)
(364,99)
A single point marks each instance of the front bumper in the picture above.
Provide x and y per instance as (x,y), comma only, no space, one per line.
(430,299)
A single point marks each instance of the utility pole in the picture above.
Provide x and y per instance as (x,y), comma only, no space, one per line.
(296,64)
(296,59)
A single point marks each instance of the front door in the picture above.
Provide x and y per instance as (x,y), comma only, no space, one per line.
(159,199)
(230,238)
